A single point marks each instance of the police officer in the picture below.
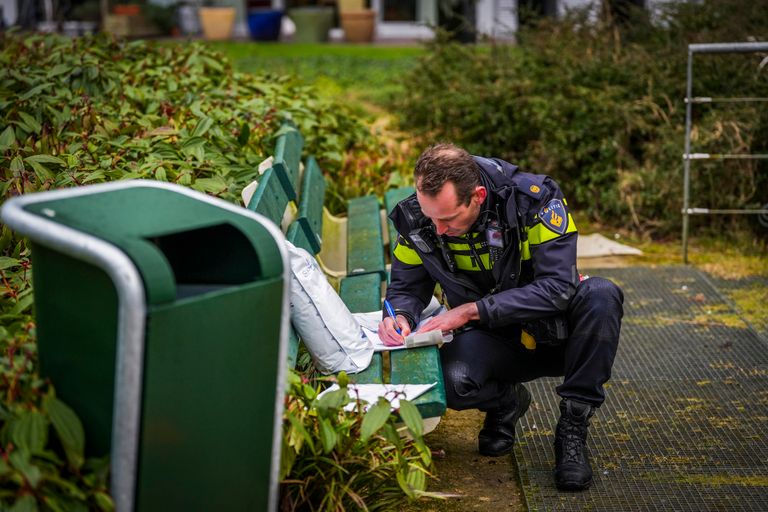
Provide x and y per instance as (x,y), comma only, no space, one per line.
(502,246)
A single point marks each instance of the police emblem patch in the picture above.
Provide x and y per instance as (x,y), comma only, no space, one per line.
(555,216)
(535,189)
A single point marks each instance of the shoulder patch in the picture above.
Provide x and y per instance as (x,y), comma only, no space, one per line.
(555,216)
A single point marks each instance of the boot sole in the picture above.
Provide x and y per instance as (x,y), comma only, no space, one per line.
(568,486)
(505,451)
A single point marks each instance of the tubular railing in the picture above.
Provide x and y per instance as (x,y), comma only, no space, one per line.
(690,100)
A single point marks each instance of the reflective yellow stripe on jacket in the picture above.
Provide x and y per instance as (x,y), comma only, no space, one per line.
(406,254)
(539,233)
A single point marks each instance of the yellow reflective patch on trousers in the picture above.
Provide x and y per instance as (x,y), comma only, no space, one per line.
(407,255)
(527,340)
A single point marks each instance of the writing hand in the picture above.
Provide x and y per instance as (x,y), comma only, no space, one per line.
(388,334)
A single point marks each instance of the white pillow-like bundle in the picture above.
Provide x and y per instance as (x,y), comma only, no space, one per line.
(322,320)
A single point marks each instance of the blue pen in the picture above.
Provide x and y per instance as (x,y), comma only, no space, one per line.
(391,313)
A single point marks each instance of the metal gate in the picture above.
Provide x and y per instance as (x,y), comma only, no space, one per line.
(690,100)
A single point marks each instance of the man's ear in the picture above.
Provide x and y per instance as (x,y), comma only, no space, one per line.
(481,193)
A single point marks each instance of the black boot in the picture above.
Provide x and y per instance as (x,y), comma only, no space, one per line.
(497,436)
(572,469)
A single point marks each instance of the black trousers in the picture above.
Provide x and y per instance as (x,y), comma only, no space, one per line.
(479,365)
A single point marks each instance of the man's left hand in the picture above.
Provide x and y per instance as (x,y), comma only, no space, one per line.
(452,319)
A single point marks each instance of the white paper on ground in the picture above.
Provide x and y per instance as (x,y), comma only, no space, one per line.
(370,325)
(371,392)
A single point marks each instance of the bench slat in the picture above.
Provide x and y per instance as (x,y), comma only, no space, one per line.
(288,153)
(362,293)
(312,195)
(300,235)
(365,245)
(420,366)
(391,198)
(270,198)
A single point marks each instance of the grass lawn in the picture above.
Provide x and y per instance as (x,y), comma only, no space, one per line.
(366,73)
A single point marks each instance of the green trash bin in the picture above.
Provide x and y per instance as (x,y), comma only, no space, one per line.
(162,319)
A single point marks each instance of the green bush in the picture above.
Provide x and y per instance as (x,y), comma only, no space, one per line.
(601,109)
(334,459)
(89,110)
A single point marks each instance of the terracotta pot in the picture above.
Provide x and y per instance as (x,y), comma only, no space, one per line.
(358,26)
(217,22)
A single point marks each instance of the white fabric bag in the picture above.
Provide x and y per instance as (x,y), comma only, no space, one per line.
(322,320)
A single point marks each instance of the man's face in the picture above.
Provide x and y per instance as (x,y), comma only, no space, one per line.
(449,217)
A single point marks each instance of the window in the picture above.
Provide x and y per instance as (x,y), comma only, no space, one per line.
(399,10)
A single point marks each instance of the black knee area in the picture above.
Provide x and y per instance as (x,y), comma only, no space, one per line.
(459,386)
(599,296)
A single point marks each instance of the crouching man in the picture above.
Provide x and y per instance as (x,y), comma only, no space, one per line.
(502,246)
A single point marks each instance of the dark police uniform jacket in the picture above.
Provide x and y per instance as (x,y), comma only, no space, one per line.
(518,262)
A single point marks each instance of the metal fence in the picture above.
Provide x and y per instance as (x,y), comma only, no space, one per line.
(688,157)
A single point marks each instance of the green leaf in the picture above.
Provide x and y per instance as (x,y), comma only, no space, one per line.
(6,262)
(416,478)
(374,419)
(20,460)
(7,138)
(34,91)
(22,305)
(213,185)
(30,123)
(410,415)
(104,502)
(332,401)
(58,69)
(30,431)
(45,159)
(41,171)
(26,503)
(69,429)
(327,435)
(17,166)
(203,126)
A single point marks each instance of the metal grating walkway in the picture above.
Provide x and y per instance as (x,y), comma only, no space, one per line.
(685,423)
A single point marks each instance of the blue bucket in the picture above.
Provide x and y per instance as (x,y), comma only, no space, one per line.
(264,24)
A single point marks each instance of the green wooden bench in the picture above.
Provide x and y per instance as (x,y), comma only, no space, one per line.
(283,187)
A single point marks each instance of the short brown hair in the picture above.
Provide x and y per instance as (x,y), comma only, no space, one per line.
(445,162)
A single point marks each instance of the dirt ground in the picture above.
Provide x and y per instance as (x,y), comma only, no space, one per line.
(468,480)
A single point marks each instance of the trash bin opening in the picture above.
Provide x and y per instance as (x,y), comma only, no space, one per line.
(208,259)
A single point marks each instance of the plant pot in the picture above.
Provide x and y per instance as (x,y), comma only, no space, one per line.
(351,5)
(312,23)
(358,26)
(217,22)
(264,24)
